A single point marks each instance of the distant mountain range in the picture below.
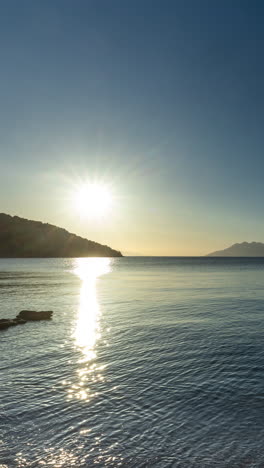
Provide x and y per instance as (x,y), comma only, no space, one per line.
(245,249)
(20,237)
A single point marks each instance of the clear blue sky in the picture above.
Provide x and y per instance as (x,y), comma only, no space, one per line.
(161,99)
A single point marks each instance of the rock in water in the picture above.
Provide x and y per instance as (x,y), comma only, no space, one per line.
(24,316)
(5,323)
(19,321)
(33,315)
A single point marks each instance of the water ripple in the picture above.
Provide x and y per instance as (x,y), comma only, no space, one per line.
(146,364)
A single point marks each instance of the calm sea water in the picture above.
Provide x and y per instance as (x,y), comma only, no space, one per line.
(148,362)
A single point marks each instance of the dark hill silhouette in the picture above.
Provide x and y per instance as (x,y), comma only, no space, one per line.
(245,249)
(21,237)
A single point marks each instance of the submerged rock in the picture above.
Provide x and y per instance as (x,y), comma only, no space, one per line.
(5,323)
(34,315)
(25,316)
(19,321)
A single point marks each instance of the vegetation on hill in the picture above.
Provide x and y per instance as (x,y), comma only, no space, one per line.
(21,237)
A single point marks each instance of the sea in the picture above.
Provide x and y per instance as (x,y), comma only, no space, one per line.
(147,362)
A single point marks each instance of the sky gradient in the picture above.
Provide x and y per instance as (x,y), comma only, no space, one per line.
(161,100)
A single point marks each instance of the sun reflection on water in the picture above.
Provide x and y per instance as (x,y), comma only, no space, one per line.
(87,329)
(88,326)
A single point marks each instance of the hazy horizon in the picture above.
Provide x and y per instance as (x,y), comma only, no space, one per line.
(135,254)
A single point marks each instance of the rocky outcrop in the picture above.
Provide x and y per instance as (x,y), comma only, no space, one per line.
(33,315)
(25,316)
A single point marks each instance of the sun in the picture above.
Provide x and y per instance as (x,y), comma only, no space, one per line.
(93,200)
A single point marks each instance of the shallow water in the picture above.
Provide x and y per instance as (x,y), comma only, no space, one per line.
(147,362)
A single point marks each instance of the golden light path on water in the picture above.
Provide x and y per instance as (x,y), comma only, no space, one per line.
(87,329)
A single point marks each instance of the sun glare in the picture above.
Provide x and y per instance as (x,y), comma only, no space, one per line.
(93,200)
